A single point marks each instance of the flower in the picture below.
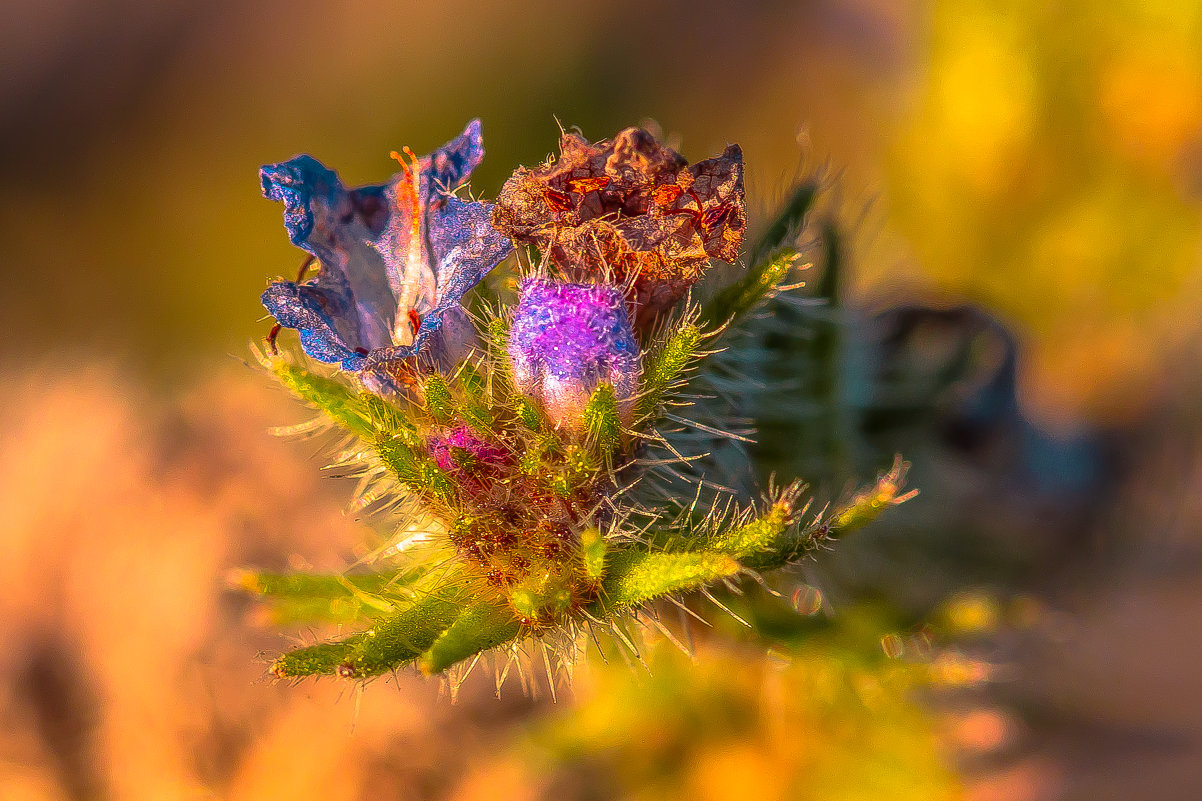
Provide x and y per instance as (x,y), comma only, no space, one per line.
(629,209)
(461,445)
(536,493)
(395,259)
(565,340)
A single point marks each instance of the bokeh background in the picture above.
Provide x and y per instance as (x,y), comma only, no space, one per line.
(1038,163)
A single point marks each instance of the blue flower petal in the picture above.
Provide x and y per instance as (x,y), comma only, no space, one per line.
(391,255)
(313,312)
(463,248)
(351,294)
(453,163)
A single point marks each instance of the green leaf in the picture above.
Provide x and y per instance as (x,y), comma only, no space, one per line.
(335,399)
(307,598)
(314,660)
(310,585)
(403,636)
(478,628)
(634,578)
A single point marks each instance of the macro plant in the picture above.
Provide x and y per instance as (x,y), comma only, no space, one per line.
(542,394)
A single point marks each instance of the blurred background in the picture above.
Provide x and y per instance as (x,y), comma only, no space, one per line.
(1016,191)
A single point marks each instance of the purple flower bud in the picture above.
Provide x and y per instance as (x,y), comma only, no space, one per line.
(568,338)
(442,448)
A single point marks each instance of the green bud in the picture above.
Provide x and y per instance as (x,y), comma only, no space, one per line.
(664,367)
(592,553)
(602,425)
(439,402)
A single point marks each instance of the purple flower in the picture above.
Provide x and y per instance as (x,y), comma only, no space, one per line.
(568,338)
(443,447)
(395,258)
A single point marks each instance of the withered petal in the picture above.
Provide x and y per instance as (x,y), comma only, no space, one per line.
(718,182)
(631,209)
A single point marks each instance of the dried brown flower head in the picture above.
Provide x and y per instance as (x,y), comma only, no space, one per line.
(631,209)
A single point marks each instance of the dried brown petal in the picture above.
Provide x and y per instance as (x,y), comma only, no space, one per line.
(630,209)
(723,222)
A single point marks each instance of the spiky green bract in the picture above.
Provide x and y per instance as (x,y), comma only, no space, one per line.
(394,438)
(761,280)
(386,419)
(476,409)
(778,537)
(665,367)
(770,260)
(344,406)
(414,470)
(602,423)
(307,598)
(759,543)
(527,414)
(478,628)
(497,333)
(634,578)
(404,636)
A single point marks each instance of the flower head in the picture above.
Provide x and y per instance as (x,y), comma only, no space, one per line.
(395,258)
(566,339)
(515,532)
(629,209)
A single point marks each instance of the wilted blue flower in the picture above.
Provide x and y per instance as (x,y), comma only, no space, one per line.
(568,338)
(396,258)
